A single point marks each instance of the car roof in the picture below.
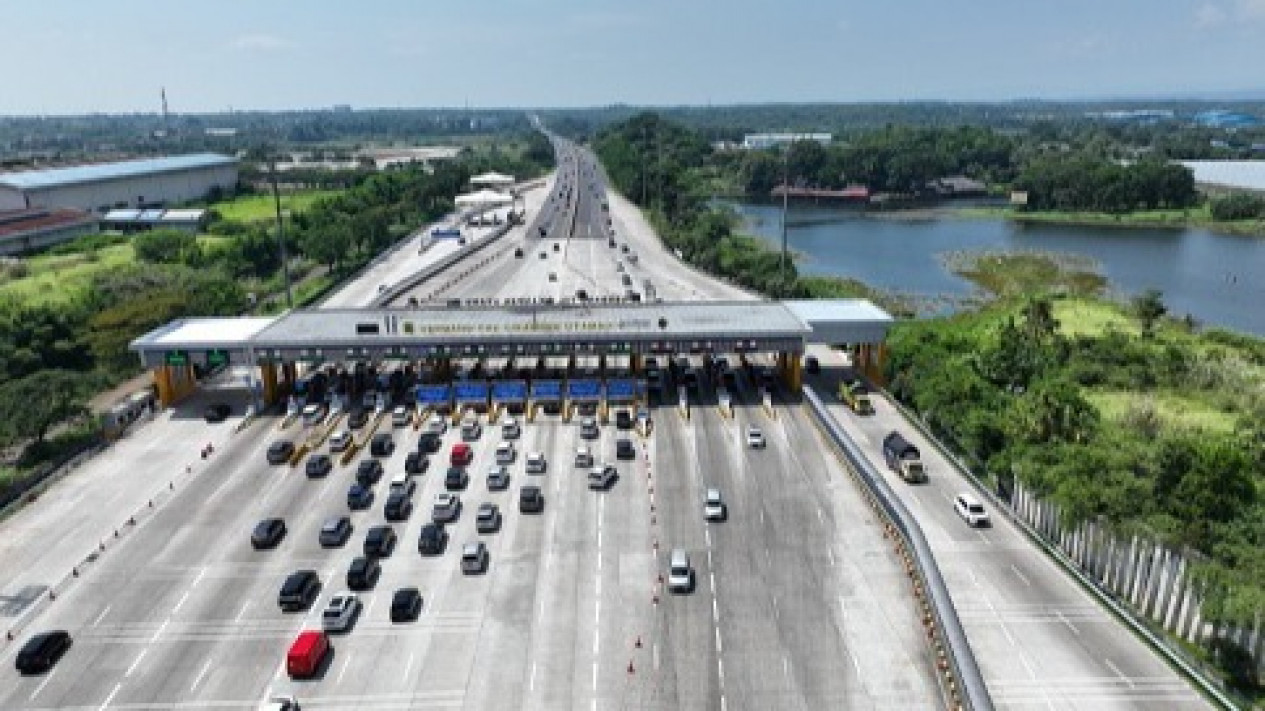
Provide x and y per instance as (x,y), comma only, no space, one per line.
(470,548)
(713,493)
(335,522)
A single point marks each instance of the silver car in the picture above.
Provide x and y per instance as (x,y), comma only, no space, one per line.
(340,613)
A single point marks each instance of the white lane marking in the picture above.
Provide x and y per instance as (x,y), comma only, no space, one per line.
(1120,674)
(158,632)
(855,664)
(971,574)
(369,608)
(821,517)
(709,564)
(43,684)
(198,680)
(106,704)
(1068,622)
(761,517)
(409,667)
(101,616)
(241,612)
(1001,622)
(720,670)
(982,537)
(135,663)
(723,706)
(1020,575)
(198,579)
(776,612)
(715,611)
(654,653)
(719,646)
(786,669)
(831,552)
(180,604)
(346,663)
(595,680)
(707,536)
(1032,672)
(531,683)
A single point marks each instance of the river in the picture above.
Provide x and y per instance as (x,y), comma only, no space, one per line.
(1218,279)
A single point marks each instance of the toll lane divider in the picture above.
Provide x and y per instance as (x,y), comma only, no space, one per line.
(958,671)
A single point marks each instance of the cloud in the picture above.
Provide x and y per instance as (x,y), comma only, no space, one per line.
(262,43)
(1208,16)
(1251,9)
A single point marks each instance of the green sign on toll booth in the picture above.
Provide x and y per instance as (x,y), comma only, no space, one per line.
(177,358)
(216,358)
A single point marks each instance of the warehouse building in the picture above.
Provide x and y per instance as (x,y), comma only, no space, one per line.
(23,231)
(99,188)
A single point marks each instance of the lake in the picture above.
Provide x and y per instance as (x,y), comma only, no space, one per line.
(1218,279)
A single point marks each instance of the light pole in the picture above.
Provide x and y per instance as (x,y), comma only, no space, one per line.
(786,192)
(281,238)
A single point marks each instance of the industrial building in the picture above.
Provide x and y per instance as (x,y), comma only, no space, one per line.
(99,188)
(23,231)
(761,141)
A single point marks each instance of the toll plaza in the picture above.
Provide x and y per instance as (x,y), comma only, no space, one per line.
(516,355)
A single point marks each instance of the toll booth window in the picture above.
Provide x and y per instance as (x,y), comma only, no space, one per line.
(366,328)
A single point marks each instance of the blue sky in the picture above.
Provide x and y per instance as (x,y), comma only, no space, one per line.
(73,56)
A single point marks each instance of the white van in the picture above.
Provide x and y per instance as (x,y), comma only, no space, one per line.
(399,416)
(505,453)
(680,574)
(437,425)
(583,457)
(510,429)
(536,463)
(471,430)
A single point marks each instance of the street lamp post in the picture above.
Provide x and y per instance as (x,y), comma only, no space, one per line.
(786,192)
(281,238)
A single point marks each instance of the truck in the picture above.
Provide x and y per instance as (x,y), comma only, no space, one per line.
(857,397)
(903,458)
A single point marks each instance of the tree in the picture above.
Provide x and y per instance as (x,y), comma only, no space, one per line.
(1053,410)
(31,405)
(166,246)
(1149,308)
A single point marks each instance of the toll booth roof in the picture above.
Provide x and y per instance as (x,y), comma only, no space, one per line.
(195,333)
(841,320)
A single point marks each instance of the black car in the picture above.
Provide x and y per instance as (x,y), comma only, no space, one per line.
(382,445)
(624,449)
(268,533)
(581,295)
(359,496)
(335,531)
(518,252)
(363,573)
(531,500)
(318,465)
(429,443)
(406,604)
(416,463)
(357,419)
(380,541)
(299,590)
(623,419)
(456,479)
(432,540)
(280,452)
(217,412)
(368,472)
(552,407)
(398,507)
(42,651)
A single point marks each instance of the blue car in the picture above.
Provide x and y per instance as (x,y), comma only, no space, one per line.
(359,497)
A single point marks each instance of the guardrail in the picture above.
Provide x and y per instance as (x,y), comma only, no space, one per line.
(956,661)
(398,289)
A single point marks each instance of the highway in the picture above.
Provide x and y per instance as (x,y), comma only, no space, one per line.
(799,602)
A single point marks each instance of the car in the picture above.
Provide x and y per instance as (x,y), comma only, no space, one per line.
(552,407)
(299,590)
(474,558)
(553,276)
(340,613)
(755,438)
(335,531)
(437,425)
(581,295)
(363,573)
(217,412)
(603,477)
(318,465)
(971,510)
(583,457)
(379,541)
(531,500)
(456,479)
(433,539)
(498,478)
(462,454)
(429,443)
(359,496)
(446,507)
(510,429)
(398,507)
(406,604)
(714,508)
(416,463)
(680,574)
(505,453)
(623,420)
(368,472)
(624,449)
(518,252)
(536,463)
(268,533)
(313,414)
(589,429)
(42,651)
(340,441)
(400,416)
(544,255)
(357,419)
(557,247)
(471,430)
(369,400)
(280,703)
(402,483)
(382,445)
(279,452)
(812,365)
(487,518)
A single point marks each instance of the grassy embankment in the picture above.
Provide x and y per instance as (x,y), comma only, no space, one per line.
(58,278)
(262,208)
(1159,219)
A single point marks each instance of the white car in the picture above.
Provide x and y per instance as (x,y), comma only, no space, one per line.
(714,506)
(313,414)
(588,428)
(399,416)
(340,613)
(510,429)
(536,463)
(446,508)
(280,703)
(583,457)
(340,441)
(971,510)
(601,478)
(437,425)
(755,438)
(505,453)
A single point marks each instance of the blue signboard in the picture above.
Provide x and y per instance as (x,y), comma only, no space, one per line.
(514,391)
(445,233)
(621,390)
(471,392)
(433,394)
(546,390)
(584,389)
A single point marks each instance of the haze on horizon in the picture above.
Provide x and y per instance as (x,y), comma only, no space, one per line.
(69,57)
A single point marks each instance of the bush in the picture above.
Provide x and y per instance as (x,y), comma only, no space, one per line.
(1237,206)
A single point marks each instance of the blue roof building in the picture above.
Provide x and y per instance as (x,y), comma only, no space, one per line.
(142,183)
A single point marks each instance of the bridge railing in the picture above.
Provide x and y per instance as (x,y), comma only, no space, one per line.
(956,661)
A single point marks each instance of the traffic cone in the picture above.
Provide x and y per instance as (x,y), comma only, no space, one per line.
(638,644)
(631,670)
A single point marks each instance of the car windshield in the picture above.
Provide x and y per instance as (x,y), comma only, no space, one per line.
(975,508)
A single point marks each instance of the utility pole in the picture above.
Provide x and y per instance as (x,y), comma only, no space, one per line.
(281,237)
(786,193)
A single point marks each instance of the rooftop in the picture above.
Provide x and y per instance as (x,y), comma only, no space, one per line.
(53,177)
(20,222)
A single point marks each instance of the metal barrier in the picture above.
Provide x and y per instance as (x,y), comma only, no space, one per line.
(960,657)
(398,289)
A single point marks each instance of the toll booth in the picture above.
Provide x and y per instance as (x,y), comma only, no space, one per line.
(581,392)
(510,395)
(469,395)
(544,394)
(434,398)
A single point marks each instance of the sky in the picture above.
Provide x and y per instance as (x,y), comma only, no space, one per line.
(80,56)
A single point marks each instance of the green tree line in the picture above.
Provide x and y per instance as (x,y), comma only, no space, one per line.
(1085,183)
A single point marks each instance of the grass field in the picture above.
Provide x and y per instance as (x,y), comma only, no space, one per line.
(1174,219)
(57,279)
(1082,317)
(1174,409)
(259,208)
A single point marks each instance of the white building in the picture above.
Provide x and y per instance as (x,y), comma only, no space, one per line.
(99,188)
(760,141)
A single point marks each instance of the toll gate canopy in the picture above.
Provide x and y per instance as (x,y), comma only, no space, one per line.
(487,328)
